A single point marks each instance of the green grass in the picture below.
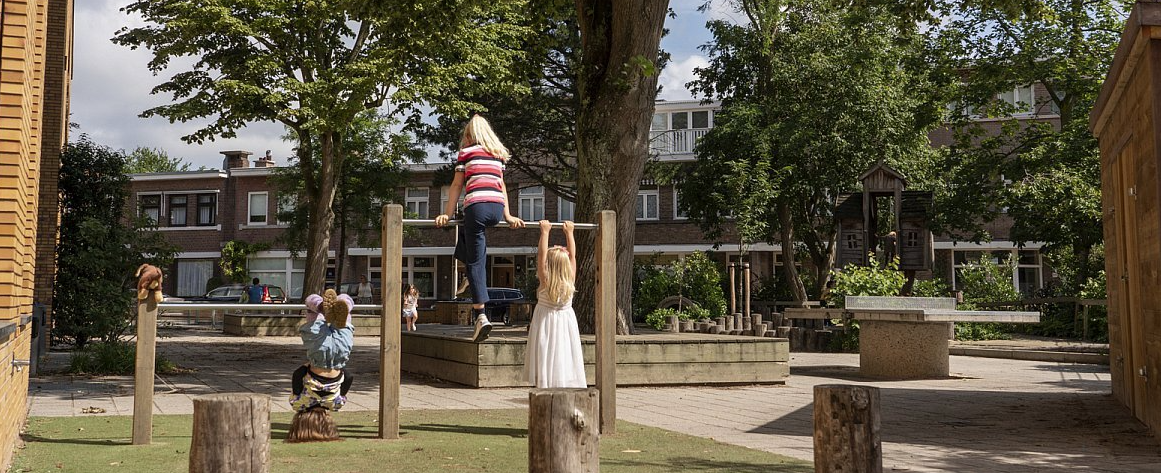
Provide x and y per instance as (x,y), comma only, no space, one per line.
(455,440)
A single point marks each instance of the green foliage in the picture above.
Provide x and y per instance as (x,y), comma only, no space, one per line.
(659,317)
(315,66)
(99,250)
(871,280)
(1028,170)
(985,281)
(935,287)
(812,94)
(147,160)
(695,277)
(234,258)
(695,313)
(113,358)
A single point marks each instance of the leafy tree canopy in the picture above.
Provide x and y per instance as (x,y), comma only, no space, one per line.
(146,160)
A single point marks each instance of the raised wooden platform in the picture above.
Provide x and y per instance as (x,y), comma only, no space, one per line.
(286,325)
(654,358)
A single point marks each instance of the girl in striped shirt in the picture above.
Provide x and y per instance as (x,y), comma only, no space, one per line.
(480,174)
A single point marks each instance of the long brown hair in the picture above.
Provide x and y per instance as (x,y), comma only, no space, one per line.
(313,425)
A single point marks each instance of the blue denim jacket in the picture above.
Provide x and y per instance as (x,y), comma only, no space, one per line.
(326,346)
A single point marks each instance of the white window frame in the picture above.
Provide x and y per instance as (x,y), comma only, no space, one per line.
(677,206)
(643,199)
(409,272)
(160,206)
(1014,254)
(561,202)
(285,203)
(528,198)
(417,204)
(250,215)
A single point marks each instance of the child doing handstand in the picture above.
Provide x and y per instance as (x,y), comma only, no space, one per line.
(328,337)
(410,301)
(553,358)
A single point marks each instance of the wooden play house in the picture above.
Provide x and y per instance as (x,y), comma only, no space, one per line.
(1126,122)
(885,219)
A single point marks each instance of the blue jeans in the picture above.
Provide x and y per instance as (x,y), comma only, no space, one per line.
(472,247)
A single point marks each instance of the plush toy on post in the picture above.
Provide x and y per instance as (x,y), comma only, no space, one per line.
(148,280)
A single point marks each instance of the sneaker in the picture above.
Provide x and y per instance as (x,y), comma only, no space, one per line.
(483,327)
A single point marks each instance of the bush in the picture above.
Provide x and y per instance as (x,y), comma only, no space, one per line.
(113,358)
(931,288)
(695,277)
(695,313)
(659,317)
(867,281)
(982,282)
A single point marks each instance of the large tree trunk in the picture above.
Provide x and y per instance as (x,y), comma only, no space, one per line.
(786,231)
(322,216)
(617,84)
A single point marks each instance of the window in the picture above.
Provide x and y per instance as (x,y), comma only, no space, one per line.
(565,209)
(532,203)
(417,270)
(854,241)
(1026,274)
(679,213)
(258,208)
(192,276)
(416,201)
(912,240)
(287,273)
(207,209)
(443,202)
(177,210)
(1021,98)
(680,120)
(701,119)
(151,207)
(647,205)
(286,206)
(660,122)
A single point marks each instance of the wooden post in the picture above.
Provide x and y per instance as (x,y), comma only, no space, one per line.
(231,434)
(562,431)
(730,269)
(1084,333)
(746,288)
(143,375)
(606,319)
(389,328)
(846,429)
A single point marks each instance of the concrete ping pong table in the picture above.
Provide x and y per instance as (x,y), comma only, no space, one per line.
(907,337)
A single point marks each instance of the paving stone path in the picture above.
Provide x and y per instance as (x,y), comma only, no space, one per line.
(993,415)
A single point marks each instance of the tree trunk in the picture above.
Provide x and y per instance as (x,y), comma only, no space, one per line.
(231,434)
(341,256)
(562,430)
(322,217)
(786,231)
(617,85)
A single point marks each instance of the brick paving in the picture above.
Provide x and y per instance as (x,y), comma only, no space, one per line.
(992,415)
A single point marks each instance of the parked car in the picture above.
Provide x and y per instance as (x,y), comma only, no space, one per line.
(233,293)
(499,298)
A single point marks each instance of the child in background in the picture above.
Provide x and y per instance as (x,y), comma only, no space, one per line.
(328,337)
(479,173)
(553,358)
(410,301)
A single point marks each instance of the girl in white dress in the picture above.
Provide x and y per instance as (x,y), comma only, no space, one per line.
(553,356)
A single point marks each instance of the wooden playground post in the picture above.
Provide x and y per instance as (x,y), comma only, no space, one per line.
(746,288)
(606,319)
(562,434)
(846,429)
(231,434)
(733,296)
(143,375)
(389,339)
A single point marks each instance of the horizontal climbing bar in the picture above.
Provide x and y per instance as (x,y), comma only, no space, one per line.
(290,306)
(431,223)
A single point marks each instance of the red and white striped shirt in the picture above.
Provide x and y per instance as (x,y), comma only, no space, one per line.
(483,175)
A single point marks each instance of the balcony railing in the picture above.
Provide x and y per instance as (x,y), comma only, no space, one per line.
(669,142)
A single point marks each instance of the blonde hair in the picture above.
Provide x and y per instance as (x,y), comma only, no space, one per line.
(558,278)
(334,310)
(479,132)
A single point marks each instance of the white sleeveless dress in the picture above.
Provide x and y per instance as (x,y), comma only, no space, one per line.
(553,357)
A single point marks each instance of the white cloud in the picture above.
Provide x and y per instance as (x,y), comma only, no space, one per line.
(678,73)
(111,85)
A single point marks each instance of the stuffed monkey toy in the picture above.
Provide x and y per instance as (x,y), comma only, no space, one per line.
(148,280)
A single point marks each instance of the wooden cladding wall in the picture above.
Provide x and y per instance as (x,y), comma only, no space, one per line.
(1128,129)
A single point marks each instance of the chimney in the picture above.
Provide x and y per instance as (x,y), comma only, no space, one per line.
(236,159)
(265,161)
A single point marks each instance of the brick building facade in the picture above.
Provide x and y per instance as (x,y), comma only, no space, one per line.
(34,74)
(245,208)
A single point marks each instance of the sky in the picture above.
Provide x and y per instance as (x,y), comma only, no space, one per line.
(111,85)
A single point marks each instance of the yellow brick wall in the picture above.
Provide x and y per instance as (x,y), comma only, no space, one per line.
(23,25)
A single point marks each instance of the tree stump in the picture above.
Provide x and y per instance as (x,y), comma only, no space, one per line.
(562,430)
(846,429)
(231,434)
(721,323)
(760,330)
(729,324)
(824,339)
(782,331)
(673,324)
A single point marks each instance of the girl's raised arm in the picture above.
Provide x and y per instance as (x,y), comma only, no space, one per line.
(571,245)
(542,250)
